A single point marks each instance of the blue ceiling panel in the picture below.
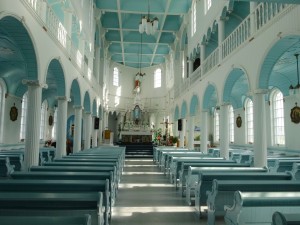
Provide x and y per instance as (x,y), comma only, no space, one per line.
(106,4)
(167,38)
(110,20)
(115,47)
(172,23)
(163,49)
(121,19)
(179,6)
(159,59)
(117,58)
(113,36)
(134,65)
(132,58)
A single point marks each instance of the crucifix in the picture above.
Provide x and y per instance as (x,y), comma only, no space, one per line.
(166,122)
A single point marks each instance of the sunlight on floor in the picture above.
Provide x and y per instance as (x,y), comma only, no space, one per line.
(132,185)
(141,173)
(127,211)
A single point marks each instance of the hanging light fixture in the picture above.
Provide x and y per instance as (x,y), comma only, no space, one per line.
(147,25)
(141,58)
(295,89)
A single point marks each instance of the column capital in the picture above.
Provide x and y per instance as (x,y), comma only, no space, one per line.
(258,91)
(63,98)
(77,107)
(87,113)
(35,83)
(205,110)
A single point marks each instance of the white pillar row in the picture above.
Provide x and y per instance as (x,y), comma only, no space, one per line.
(94,133)
(204,136)
(77,129)
(221,37)
(253,6)
(224,131)
(190,62)
(100,133)
(87,120)
(260,132)
(33,119)
(191,122)
(202,56)
(61,126)
(182,132)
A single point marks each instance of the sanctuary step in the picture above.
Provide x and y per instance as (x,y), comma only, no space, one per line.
(139,150)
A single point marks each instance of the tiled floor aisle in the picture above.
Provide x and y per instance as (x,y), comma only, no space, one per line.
(146,197)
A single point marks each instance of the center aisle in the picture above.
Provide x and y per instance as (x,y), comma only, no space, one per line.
(145,197)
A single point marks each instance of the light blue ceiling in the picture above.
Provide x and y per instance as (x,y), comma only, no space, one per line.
(120,19)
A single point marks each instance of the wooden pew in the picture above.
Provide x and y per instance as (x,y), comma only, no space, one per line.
(53,204)
(279,218)
(61,186)
(258,207)
(205,182)
(89,164)
(60,175)
(282,165)
(14,159)
(5,168)
(222,192)
(183,171)
(190,180)
(46,220)
(176,163)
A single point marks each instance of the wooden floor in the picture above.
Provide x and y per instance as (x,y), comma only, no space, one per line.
(146,197)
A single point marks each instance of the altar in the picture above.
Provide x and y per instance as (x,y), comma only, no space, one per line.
(136,136)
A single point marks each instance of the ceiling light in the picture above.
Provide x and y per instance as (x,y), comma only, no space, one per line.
(295,89)
(150,26)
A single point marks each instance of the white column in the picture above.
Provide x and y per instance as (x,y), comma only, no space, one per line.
(87,142)
(32,136)
(61,130)
(190,62)
(95,134)
(260,137)
(224,131)
(77,129)
(253,6)
(202,56)
(191,133)
(204,136)
(100,131)
(182,132)
(221,37)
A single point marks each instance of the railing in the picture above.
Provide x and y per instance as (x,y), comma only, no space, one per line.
(257,21)
(48,19)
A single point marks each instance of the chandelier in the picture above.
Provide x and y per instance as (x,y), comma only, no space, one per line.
(295,89)
(141,58)
(148,25)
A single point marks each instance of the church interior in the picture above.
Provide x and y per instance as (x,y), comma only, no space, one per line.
(118,112)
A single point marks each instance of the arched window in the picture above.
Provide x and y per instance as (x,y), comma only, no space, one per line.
(217,125)
(193,18)
(116,77)
(277,115)
(157,78)
(43,119)
(23,117)
(249,120)
(231,124)
(53,134)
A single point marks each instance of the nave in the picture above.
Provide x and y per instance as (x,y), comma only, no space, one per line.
(146,197)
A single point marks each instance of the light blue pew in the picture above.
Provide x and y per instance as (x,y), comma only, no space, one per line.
(257,208)
(46,220)
(282,165)
(205,181)
(223,191)
(60,175)
(5,168)
(53,204)
(280,218)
